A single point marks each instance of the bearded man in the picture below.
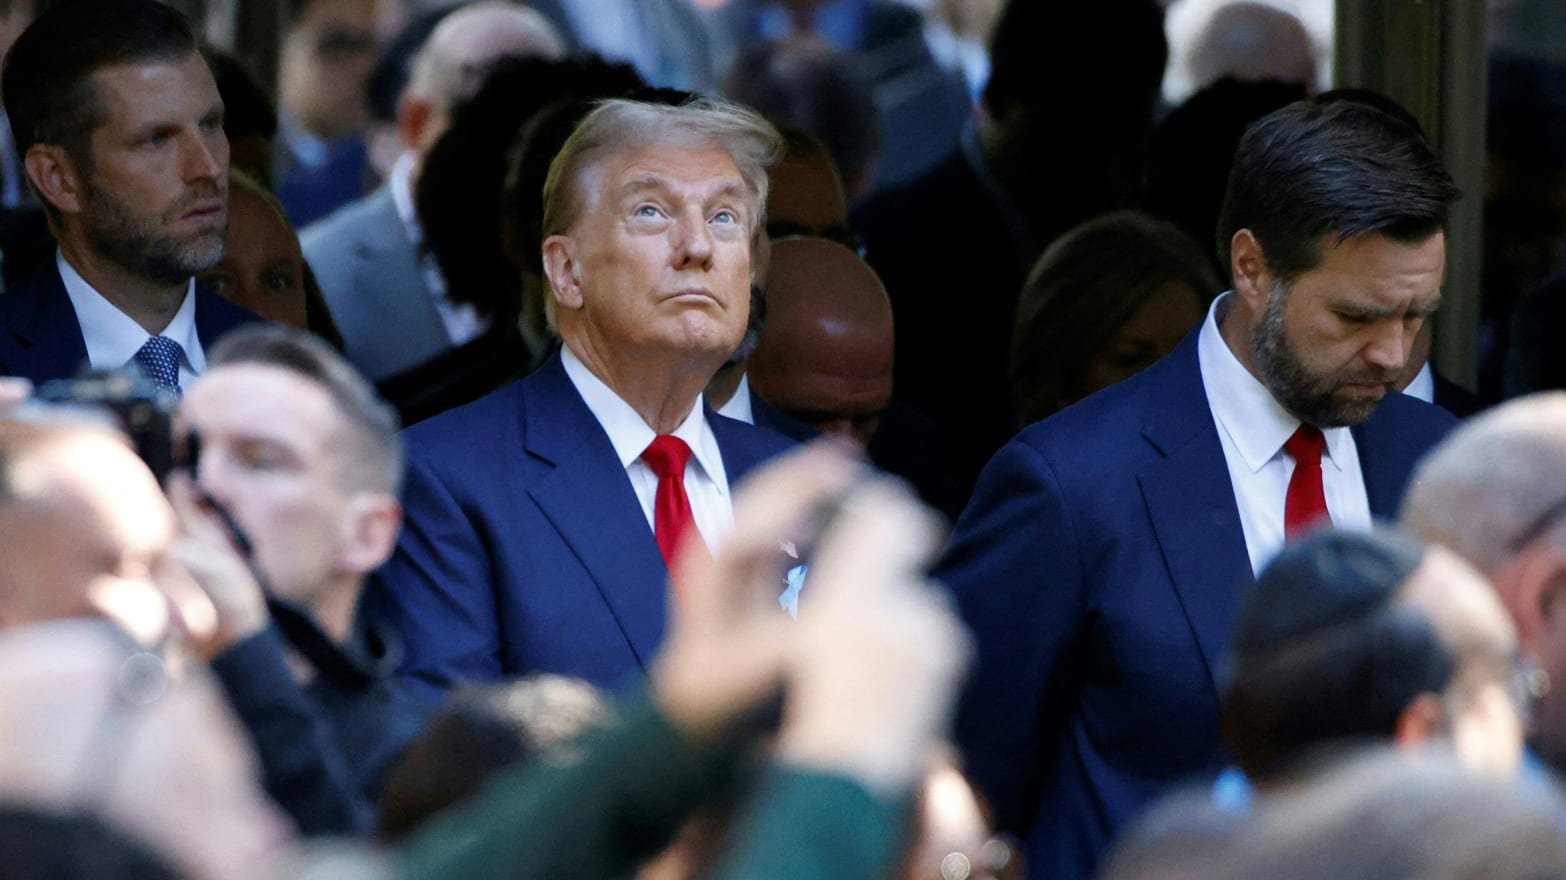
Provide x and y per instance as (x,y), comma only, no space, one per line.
(1100,558)
(120,129)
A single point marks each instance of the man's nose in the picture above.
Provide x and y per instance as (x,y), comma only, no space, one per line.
(206,158)
(1389,350)
(695,242)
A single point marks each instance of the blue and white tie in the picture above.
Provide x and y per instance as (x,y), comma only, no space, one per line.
(159,359)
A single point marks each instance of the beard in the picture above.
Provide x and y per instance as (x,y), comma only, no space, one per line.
(139,241)
(1309,396)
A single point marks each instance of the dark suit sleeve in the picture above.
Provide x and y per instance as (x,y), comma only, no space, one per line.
(1015,569)
(437,591)
(303,767)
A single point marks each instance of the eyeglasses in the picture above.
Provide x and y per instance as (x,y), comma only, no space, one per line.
(1538,526)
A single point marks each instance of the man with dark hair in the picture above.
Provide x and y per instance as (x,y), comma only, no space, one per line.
(120,127)
(1100,558)
(1354,637)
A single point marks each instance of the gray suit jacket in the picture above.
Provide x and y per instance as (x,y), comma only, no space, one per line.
(370,275)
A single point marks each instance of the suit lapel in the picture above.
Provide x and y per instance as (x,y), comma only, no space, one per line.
(1190,501)
(46,335)
(384,264)
(1386,459)
(589,499)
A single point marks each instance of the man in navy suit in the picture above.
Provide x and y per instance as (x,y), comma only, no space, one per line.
(120,129)
(540,518)
(1100,557)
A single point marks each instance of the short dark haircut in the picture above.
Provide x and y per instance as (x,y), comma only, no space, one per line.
(374,459)
(47,92)
(1340,167)
(1324,652)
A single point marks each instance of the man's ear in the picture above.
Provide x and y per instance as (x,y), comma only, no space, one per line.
(370,524)
(563,271)
(1253,280)
(1423,718)
(55,176)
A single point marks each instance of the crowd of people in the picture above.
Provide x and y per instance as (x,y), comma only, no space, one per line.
(764,438)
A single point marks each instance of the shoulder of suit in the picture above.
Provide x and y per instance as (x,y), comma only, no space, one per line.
(348,221)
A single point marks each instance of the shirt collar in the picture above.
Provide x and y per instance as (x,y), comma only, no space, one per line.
(400,182)
(1242,405)
(1422,387)
(628,433)
(738,407)
(113,337)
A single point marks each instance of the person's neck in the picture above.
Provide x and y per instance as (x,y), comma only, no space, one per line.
(149,303)
(724,385)
(660,386)
(1234,325)
(333,608)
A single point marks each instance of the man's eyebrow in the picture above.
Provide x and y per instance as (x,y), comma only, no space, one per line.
(644,183)
(1362,310)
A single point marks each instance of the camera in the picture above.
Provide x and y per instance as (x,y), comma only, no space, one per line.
(142,410)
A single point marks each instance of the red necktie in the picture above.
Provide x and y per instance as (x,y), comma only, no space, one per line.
(1306,502)
(672,517)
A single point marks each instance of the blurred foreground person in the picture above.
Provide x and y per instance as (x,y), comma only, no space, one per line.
(1352,637)
(304,462)
(1101,558)
(542,518)
(867,675)
(100,710)
(1495,493)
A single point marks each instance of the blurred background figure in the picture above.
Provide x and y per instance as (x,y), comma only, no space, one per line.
(1191,149)
(1105,301)
(825,355)
(805,83)
(669,42)
(389,298)
(328,49)
(918,106)
(262,268)
(1061,142)
(249,117)
(1284,41)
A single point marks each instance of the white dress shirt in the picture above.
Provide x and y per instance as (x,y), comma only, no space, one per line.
(461,320)
(1253,427)
(1422,387)
(706,483)
(113,337)
(738,407)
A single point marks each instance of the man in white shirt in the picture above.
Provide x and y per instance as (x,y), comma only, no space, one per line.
(540,519)
(387,298)
(120,127)
(1100,557)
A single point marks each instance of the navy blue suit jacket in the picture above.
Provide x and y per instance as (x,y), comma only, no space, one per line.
(1097,566)
(41,338)
(525,549)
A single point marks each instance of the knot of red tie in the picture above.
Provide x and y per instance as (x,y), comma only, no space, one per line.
(667,455)
(1306,502)
(672,515)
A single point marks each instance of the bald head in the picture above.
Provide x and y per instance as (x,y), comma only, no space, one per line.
(1252,41)
(453,61)
(825,356)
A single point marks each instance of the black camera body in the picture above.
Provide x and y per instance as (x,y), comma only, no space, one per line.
(142,410)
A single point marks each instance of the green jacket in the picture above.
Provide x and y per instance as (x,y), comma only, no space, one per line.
(620,799)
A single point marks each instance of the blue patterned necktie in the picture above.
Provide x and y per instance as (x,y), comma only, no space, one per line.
(159,359)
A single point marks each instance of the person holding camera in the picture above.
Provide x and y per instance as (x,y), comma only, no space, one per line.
(120,128)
